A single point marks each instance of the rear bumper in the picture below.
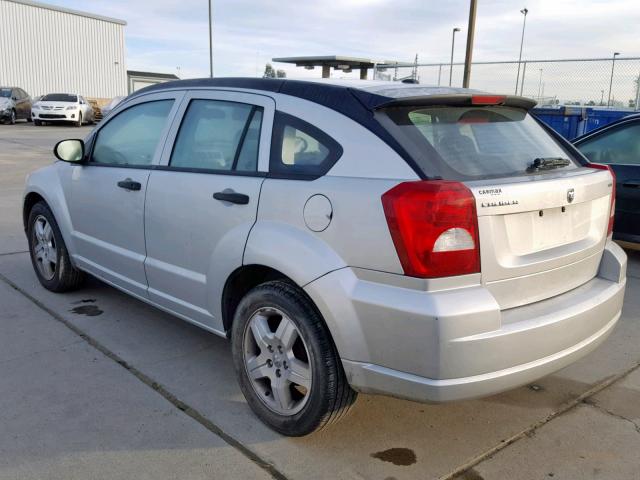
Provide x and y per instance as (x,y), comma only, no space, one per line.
(456,344)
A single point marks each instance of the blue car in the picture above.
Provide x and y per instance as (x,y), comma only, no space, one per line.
(618,145)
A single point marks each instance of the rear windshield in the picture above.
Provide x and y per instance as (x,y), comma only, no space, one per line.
(468,143)
(59,97)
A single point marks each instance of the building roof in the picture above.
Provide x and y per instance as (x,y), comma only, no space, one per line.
(68,10)
(168,76)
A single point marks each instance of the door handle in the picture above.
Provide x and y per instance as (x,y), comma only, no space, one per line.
(632,184)
(232,197)
(129,184)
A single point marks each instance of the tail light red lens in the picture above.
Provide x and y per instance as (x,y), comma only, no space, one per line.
(612,211)
(434,227)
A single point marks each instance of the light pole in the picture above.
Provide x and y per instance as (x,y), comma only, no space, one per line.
(210,44)
(453,42)
(613,66)
(524,11)
(540,85)
(468,56)
(637,107)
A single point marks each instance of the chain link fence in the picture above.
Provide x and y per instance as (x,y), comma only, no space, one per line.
(587,82)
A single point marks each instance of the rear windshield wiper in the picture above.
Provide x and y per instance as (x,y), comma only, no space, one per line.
(548,163)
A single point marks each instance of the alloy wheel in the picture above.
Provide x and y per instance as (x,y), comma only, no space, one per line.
(277,361)
(44,247)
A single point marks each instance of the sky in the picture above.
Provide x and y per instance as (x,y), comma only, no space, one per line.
(171,36)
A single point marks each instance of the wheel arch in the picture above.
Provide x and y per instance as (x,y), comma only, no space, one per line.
(45,185)
(239,283)
(30,200)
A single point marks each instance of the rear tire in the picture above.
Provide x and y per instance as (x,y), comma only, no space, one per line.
(296,349)
(49,255)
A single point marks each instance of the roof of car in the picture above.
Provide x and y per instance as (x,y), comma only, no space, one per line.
(312,89)
(632,116)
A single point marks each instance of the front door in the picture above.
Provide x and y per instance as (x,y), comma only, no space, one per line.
(108,192)
(202,201)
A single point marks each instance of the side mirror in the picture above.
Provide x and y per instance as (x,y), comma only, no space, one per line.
(69,150)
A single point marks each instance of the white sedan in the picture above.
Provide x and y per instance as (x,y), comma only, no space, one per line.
(62,107)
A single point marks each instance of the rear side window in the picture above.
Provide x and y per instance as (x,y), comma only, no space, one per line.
(131,137)
(300,149)
(467,143)
(218,135)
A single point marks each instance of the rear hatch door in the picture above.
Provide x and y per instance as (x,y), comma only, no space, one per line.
(542,215)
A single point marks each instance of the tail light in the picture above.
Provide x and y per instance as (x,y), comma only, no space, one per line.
(612,211)
(434,227)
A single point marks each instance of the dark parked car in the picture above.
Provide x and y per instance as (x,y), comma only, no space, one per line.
(618,145)
(15,104)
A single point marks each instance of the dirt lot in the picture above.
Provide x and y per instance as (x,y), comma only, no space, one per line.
(95,384)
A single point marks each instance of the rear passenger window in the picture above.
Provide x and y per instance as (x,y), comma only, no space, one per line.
(300,149)
(218,135)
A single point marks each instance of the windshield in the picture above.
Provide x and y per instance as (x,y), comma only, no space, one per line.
(59,97)
(5,93)
(467,143)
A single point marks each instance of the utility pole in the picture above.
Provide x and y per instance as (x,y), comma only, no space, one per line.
(453,42)
(613,66)
(540,85)
(524,11)
(471,30)
(210,44)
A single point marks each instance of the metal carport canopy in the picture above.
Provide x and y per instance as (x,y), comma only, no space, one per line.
(337,62)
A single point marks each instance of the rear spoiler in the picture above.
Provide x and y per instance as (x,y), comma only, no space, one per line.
(460,100)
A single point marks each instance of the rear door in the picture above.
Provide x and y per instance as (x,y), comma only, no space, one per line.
(202,201)
(619,147)
(107,193)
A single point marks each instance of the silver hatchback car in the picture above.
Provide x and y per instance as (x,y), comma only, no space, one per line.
(433,244)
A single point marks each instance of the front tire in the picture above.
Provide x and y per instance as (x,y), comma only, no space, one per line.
(49,255)
(286,363)
(12,118)
(37,123)
(79,122)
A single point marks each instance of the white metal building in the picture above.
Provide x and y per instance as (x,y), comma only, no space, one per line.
(45,49)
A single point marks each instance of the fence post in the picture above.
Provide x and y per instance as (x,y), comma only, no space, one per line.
(439,73)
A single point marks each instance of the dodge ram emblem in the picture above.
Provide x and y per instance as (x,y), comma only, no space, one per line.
(571,194)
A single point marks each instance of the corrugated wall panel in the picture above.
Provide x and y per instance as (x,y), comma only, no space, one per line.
(45,51)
